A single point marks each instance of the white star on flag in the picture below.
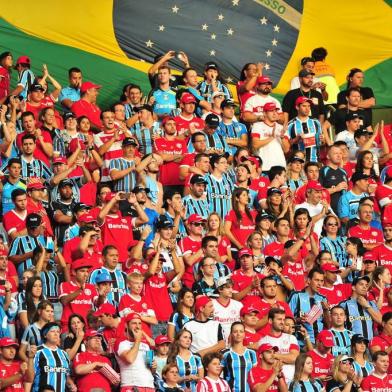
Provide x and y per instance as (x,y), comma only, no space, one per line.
(213,36)
(149,43)
(175,9)
(276,28)
(212,52)
(263,20)
(161,27)
(229,80)
(274,42)
(235,2)
(230,31)
(221,17)
(204,27)
(268,53)
(267,66)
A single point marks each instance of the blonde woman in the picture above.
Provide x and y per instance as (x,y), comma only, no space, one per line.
(344,378)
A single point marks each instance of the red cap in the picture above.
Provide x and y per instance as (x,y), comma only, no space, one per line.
(269,107)
(195,218)
(91,333)
(87,218)
(326,338)
(109,196)
(57,160)
(161,339)
(386,219)
(105,308)
(86,85)
(314,185)
(166,119)
(73,145)
(263,79)
(253,160)
(369,255)
(266,347)
(131,316)
(35,185)
(247,309)
(245,251)
(330,267)
(81,263)
(8,342)
(188,98)
(23,60)
(201,302)
(3,252)
(300,100)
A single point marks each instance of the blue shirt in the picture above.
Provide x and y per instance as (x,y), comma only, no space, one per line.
(26,79)
(234,130)
(348,204)
(8,188)
(165,101)
(69,93)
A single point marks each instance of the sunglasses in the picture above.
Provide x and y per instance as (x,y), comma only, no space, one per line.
(332,224)
(368,262)
(198,224)
(345,362)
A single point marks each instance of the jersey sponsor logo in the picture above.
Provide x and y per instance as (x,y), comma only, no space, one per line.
(82,302)
(118,226)
(55,369)
(359,318)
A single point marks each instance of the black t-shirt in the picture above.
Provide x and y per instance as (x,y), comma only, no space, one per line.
(338,119)
(366,93)
(333,385)
(317,104)
(66,209)
(175,81)
(330,177)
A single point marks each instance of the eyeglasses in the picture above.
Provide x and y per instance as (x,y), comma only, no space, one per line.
(198,224)
(209,265)
(345,362)
(368,262)
(332,224)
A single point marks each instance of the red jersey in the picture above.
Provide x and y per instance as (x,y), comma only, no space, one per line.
(38,152)
(12,221)
(183,125)
(337,293)
(274,249)
(93,379)
(258,375)
(374,294)
(251,337)
(374,383)
(370,236)
(349,168)
(241,281)
(90,110)
(300,195)
(82,304)
(322,365)
(243,97)
(383,341)
(118,227)
(8,371)
(189,159)
(71,252)
(383,255)
(241,230)
(169,172)
(111,335)
(294,270)
(47,102)
(258,184)
(388,136)
(189,246)
(38,208)
(383,195)
(5,81)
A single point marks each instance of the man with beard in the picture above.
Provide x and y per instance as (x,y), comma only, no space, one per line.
(196,202)
(253,110)
(289,101)
(71,93)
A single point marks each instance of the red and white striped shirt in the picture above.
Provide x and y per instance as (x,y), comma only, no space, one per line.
(207,384)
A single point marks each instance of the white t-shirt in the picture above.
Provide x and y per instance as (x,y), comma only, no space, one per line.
(204,333)
(313,211)
(272,153)
(227,315)
(136,373)
(285,343)
(256,103)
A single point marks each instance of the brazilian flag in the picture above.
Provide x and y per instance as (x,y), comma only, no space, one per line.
(114,41)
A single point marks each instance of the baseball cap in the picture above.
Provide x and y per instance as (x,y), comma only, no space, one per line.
(326,338)
(103,277)
(140,188)
(273,190)
(8,342)
(360,133)
(330,267)
(300,100)
(80,207)
(87,218)
(223,280)
(296,159)
(105,308)
(247,309)
(201,302)
(269,107)
(264,215)
(33,220)
(22,60)
(59,160)
(263,79)
(346,358)
(48,327)
(270,259)
(81,263)
(314,185)
(228,102)
(87,85)
(35,185)
(67,115)
(358,338)
(74,143)
(36,87)
(168,118)
(3,253)
(164,222)
(254,160)
(369,255)
(210,65)
(188,98)
(197,179)
(352,116)
(359,278)
(65,182)
(304,72)
(266,347)
(245,252)
(129,141)
(212,120)
(195,218)
(91,333)
(144,107)
(132,316)
(161,339)
(357,176)
(217,93)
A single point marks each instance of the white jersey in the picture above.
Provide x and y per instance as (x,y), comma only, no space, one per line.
(256,103)
(204,333)
(137,372)
(285,343)
(272,153)
(227,315)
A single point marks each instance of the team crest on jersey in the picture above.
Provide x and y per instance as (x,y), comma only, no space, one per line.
(144,305)
(374,233)
(178,145)
(339,293)
(87,291)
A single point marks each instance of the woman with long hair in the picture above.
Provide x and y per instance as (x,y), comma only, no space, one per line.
(344,378)
(255,243)
(34,296)
(355,251)
(73,343)
(302,220)
(332,241)
(183,313)
(295,176)
(264,225)
(277,205)
(190,368)
(238,360)
(205,283)
(246,86)
(240,221)
(359,349)
(381,282)
(303,380)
